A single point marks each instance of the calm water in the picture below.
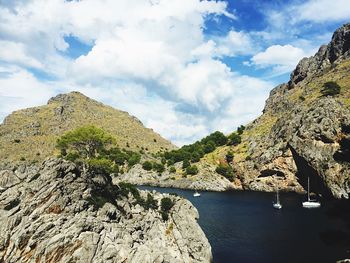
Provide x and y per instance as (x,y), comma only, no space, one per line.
(243,227)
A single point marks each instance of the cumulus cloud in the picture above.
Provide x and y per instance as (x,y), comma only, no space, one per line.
(283,59)
(150,58)
(322,10)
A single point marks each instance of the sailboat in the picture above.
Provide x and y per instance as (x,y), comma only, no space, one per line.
(277,204)
(310,203)
(196,194)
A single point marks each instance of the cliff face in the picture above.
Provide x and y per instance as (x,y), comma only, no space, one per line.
(55,213)
(31,134)
(302,132)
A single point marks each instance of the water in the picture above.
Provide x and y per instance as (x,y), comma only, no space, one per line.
(242,226)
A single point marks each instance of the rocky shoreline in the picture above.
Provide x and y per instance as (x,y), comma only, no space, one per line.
(56,213)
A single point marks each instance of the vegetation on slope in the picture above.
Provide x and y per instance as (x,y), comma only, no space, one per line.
(31,134)
(95,150)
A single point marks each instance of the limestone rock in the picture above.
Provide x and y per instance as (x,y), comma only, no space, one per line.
(58,214)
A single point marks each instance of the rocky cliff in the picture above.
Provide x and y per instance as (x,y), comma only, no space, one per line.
(31,134)
(207,179)
(56,213)
(303,132)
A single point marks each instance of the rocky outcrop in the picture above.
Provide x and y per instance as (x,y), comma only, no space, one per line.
(302,132)
(206,180)
(56,213)
(337,50)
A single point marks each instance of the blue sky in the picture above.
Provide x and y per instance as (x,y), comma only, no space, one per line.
(185,67)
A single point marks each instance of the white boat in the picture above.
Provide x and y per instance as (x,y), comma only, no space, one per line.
(277,204)
(310,203)
(196,194)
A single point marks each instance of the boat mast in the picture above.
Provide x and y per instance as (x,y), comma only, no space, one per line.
(278,198)
(308,188)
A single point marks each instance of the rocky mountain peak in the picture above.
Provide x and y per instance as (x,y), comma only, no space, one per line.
(337,49)
(67,98)
(340,43)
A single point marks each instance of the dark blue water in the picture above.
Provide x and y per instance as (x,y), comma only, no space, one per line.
(242,226)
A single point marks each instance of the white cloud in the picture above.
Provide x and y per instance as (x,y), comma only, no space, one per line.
(322,11)
(16,53)
(283,59)
(20,89)
(150,58)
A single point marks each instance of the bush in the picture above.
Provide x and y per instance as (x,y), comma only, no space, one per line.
(133,159)
(185,164)
(192,170)
(240,129)
(226,171)
(229,157)
(150,203)
(158,167)
(147,165)
(234,139)
(330,88)
(165,206)
(209,147)
(172,169)
(103,165)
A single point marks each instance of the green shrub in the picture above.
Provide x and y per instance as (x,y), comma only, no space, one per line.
(103,165)
(226,171)
(185,164)
(147,165)
(192,170)
(234,139)
(150,203)
(158,167)
(165,206)
(134,158)
(172,169)
(330,88)
(229,157)
(209,147)
(240,129)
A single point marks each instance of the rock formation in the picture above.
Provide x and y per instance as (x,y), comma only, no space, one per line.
(303,132)
(206,180)
(56,213)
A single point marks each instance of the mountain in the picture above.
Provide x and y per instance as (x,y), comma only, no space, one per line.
(304,129)
(54,212)
(31,134)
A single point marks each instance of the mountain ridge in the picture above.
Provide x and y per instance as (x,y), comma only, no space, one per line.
(38,128)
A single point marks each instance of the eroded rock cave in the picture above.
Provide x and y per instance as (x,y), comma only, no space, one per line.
(305,170)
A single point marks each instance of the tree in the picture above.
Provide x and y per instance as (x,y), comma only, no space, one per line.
(192,170)
(234,139)
(102,166)
(209,147)
(165,206)
(229,157)
(158,167)
(226,171)
(134,158)
(87,141)
(240,129)
(185,164)
(172,169)
(147,165)
(330,88)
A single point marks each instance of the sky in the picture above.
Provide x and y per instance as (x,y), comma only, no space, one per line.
(185,68)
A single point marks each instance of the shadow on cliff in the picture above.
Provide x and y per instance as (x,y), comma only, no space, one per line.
(305,170)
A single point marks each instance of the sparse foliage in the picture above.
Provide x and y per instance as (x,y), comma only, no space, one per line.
(330,88)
